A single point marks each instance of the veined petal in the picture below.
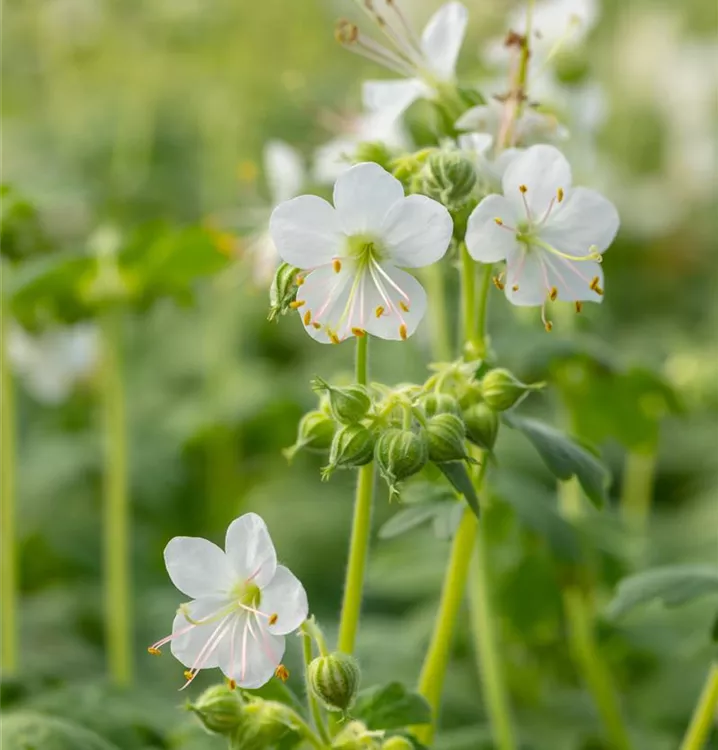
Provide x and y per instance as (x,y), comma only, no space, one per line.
(284,170)
(483,118)
(363,195)
(442,38)
(478,143)
(306,231)
(543,171)
(416,231)
(252,654)
(285,597)
(486,241)
(196,645)
(250,551)
(584,219)
(325,297)
(527,283)
(391,98)
(394,303)
(572,279)
(197,567)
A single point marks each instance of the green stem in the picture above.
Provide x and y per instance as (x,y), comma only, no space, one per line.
(578,608)
(361,528)
(704,715)
(433,671)
(116,533)
(468,303)
(481,344)
(637,488)
(438,321)
(8,576)
(314,707)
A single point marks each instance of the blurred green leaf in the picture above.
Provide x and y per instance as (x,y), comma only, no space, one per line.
(29,731)
(391,706)
(457,473)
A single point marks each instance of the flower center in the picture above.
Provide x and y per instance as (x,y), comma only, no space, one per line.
(247,594)
(363,249)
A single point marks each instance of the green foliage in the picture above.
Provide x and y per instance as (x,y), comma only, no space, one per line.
(391,706)
(27,731)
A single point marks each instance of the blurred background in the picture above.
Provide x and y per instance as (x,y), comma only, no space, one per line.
(144,127)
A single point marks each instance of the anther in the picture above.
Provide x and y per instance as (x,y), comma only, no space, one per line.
(402,332)
(282,673)
(154,651)
(333,337)
(273,619)
(346,32)
(559,195)
(297,304)
(359,332)
(404,306)
(498,283)
(232,684)
(317,325)
(336,265)
(515,288)
(595,287)
(188,674)
(523,188)
(307,319)
(579,306)
(379,311)
(553,293)
(548,325)
(499,221)
(299,279)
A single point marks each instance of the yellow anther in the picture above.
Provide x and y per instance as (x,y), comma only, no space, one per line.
(499,221)
(559,195)
(523,188)
(402,332)
(346,32)
(232,684)
(594,283)
(403,306)
(553,293)
(188,674)
(333,337)
(515,288)
(548,325)
(379,311)
(282,673)
(154,651)
(307,317)
(498,283)
(579,306)
(299,279)
(297,304)
(273,619)
(359,332)
(316,325)
(336,265)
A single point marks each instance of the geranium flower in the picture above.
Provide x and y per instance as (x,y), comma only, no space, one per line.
(550,235)
(426,63)
(352,251)
(490,167)
(243,604)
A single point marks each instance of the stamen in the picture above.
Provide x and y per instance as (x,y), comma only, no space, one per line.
(390,280)
(594,285)
(336,265)
(515,288)
(188,675)
(350,37)
(402,332)
(523,190)
(547,324)
(379,311)
(553,293)
(559,194)
(358,332)
(154,651)
(273,619)
(499,221)
(232,684)
(579,306)
(307,319)
(498,283)
(281,673)
(297,304)
(404,306)
(333,337)
(299,279)
(317,325)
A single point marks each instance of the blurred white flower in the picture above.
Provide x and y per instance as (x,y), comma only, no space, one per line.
(550,235)
(243,604)
(352,250)
(53,362)
(426,63)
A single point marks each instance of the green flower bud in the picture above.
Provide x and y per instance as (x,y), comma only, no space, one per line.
(374,151)
(356,736)
(219,709)
(264,723)
(449,177)
(352,446)
(400,454)
(315,433)
(397,743)
(482,425)
(471,394)
(501,390)
(349,404)
(283,291)
(334,680)
(446,436)
(439,403)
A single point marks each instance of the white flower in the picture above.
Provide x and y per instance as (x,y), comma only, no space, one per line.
(427,63)
(243,604)
(550,235)
(352,251)
(52,363)
(490,167)
(530,127)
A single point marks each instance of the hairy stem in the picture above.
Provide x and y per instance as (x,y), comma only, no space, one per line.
(314,707)
(704,715)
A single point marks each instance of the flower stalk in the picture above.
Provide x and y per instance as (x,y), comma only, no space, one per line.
(637,488)
(705,713)
(314,709)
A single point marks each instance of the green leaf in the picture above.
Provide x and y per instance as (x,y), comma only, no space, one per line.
(27,731)
(457,473)
(408,519)
(564,457)
(673,585)
(391,706)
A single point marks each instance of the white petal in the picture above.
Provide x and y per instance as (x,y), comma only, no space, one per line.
(484,118)
(416,231)
(189,641)
(197,567)
(306,231)
(486,241)
(284,169)
(384,293)
(542,170)
(250,551)
(392,98)
(477,143)
(285,596)
(525,271)
(583,219)
(363,195)
(572,279)
(333,158)
(325,294)
(252,654)
(442,37)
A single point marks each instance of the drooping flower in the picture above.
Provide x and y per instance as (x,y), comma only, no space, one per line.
(426,64)
(550,234)
(352,251)
(243,604)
